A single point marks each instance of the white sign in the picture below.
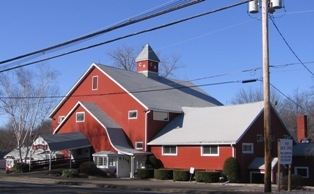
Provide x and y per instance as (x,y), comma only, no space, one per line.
(285,151)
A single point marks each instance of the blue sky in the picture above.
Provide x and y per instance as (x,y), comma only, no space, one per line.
(225,43)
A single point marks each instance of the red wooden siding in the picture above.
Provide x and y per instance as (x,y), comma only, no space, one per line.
(110,98)
(92,130)
(190,156)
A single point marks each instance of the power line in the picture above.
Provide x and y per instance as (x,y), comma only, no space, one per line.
(127,36)
(131,91)
(160,11)
(286,96)
(290,48)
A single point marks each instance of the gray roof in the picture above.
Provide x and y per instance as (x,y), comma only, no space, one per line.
(115,133)
(66,141)
(259,163)
(160,93)
(303,149)
(147,54)
(209,125)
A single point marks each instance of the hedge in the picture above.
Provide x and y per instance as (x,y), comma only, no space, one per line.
(163,174)
(145,173)
(181,175)
(207,176)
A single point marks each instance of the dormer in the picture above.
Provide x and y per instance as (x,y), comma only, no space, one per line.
(147,62)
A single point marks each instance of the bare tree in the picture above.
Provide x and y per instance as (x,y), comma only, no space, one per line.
(24,101)
(124,57)
(288,107)
(299,103)
(254,95)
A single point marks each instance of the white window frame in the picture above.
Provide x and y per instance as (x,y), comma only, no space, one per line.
(248,144)
(60,119)
(132,117)
(79,121)
(137,143)
(259,138)
(95,77)
(209,154)
(302,167)
(169,154)
(157,115)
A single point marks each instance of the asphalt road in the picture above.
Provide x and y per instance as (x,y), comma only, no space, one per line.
(40,182)
(11,187)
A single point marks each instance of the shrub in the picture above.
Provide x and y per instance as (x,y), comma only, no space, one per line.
(181,175)
(145,173)
(20,167)
(296,182)
(88,168)
(70,173)
(207,176)
(163,174)
(153,162)
(231,170)
(55,172)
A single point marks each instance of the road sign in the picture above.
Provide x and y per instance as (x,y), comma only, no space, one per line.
(285,151)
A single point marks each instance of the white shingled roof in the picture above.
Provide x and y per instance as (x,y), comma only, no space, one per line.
(209,125)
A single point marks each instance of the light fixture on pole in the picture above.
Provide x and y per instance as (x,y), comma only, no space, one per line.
(268,6)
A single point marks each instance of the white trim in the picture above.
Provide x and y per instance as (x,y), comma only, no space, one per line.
(80,121)
(93,65)
(202,150)
(302,167)
(96,76)
(132,111)
(126,91)
(60,119)
(139,142)
(169,154)
(248,144)
(259,137)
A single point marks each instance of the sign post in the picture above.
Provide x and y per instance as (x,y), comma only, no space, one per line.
(284,157)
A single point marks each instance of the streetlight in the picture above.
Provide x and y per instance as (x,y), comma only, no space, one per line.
(268,6)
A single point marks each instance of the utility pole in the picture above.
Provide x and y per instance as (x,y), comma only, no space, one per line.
(266,86)
(267,6)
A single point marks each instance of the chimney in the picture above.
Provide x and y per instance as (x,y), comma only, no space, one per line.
(147,62)
(301,127)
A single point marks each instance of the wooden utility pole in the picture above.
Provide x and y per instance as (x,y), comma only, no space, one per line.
(266,85)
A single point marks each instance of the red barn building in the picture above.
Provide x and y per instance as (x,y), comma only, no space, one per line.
(127,115)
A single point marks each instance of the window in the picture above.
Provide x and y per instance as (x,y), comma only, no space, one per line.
(95,83)
(139,145)
(80,117)
(100,160)
(60,119)
(259,138)
(133,114)
(209,150)
(247,148)
(169,150)
(160,116)
(112,162)
(302,171)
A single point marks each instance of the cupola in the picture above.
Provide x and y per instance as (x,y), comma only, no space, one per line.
(147,62)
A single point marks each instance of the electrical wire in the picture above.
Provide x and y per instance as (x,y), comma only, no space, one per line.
(290,48)
(160,11)
(131,91)
(129,35)
(286,96)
